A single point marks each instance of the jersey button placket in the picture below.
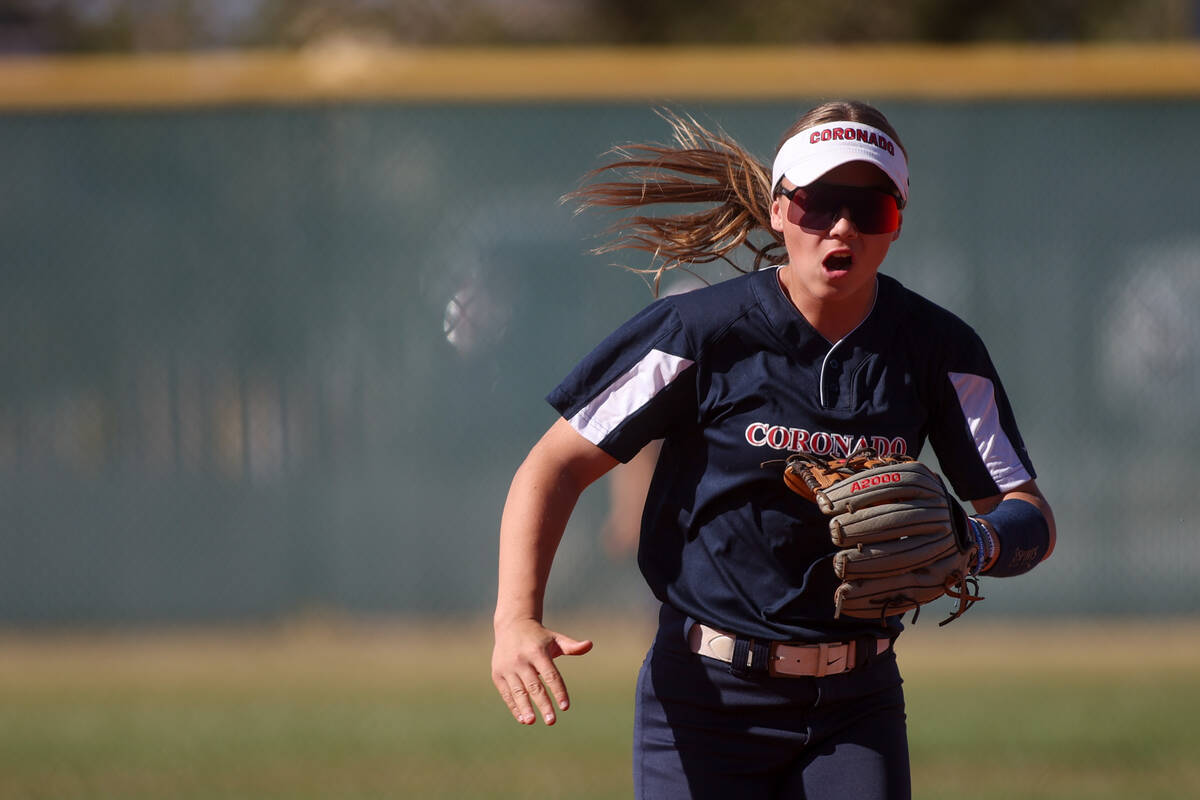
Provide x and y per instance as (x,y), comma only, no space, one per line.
(831,378)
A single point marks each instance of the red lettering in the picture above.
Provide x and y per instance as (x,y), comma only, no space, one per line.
(756,434)
(853,135)
(781,437)
(875,480)
(778,437)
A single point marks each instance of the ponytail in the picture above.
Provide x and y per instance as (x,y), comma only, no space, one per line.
(701,167)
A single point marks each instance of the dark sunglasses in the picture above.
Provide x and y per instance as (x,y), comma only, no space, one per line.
(871,210)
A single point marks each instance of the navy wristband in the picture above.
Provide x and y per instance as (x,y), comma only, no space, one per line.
(1022,535)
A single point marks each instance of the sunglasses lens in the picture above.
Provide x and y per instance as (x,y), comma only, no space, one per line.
(871,210)
(817,219)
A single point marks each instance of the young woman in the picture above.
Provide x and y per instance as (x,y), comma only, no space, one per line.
(815,351)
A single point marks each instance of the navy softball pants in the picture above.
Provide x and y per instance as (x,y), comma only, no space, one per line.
(702,732)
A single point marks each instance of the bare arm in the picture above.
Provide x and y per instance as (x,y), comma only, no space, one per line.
(540,501)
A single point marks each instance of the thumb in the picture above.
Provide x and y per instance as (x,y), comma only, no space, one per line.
(572,647)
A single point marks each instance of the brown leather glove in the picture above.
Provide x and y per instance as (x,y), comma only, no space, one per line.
(906,541)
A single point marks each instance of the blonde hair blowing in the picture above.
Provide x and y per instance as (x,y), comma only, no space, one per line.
(702,166)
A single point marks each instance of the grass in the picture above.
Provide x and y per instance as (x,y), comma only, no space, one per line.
(1052,711)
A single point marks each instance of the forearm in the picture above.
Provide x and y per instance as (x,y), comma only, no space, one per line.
(540,501)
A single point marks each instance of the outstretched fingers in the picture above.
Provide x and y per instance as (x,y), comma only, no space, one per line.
(529,683)
(528,693)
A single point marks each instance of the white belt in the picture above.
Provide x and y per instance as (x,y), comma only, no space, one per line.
(797,660)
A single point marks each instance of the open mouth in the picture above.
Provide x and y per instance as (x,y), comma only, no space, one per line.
(838,262)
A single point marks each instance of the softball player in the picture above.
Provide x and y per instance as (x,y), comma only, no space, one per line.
(752,687)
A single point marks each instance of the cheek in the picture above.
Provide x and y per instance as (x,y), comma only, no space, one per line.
(879,246)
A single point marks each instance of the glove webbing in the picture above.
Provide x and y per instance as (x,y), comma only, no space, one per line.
(820,472)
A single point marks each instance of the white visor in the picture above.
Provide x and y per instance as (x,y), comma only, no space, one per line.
(814,151)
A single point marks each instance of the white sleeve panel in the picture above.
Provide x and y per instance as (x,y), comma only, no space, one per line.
(628,393)
(977,397)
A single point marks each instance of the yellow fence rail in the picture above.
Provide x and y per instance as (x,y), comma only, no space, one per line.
(350,73)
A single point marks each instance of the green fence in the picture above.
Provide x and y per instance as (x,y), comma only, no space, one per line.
(260,361)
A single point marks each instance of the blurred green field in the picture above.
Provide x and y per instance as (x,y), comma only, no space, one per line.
(351,711)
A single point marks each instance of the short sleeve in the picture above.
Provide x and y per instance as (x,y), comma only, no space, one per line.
(635,386)
(974,432)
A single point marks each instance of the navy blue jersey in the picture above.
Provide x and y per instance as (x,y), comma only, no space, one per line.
(732,378)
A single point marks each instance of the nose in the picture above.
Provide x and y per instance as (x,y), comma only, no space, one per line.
(843,225)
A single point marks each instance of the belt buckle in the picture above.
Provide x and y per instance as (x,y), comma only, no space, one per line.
(817,661)
(843,662)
